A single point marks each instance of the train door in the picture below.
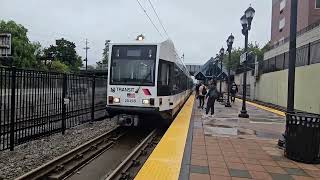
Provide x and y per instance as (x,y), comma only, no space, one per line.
(164,84)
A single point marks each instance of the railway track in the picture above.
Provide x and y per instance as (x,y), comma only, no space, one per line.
(133,162)
(117,154)
(69,162)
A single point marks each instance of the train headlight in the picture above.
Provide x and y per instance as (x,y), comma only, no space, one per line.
(116,100)
(145,101)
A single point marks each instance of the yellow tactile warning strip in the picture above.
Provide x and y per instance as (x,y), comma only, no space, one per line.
(165,160)
(280,113)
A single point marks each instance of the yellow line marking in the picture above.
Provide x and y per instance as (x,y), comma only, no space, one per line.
(165,160)
(280,113)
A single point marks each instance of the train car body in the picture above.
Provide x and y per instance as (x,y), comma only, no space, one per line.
(146,80)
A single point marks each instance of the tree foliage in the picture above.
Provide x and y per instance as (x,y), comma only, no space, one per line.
(91,67)
(30,55)
(65,52)
(58,66)
(23,51)
(236,53)
(105,56)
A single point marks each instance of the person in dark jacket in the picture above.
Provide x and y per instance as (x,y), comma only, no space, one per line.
(233,91)
(201,96)
(197,89)
(212,95)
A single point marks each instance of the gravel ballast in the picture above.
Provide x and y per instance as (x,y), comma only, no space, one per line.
(33,154)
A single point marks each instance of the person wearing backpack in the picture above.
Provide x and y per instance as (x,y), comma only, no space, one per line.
(202,93)
(233,91)
(197,90)
(212,95)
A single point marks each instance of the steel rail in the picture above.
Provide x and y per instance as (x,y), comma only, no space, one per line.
(132,159)
(69,162)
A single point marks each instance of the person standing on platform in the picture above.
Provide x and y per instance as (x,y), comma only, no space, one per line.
(197,90)
(233,91)
(212,95)
(202,93)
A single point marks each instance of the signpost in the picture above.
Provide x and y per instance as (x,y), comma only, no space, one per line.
(5,44)
(243,57)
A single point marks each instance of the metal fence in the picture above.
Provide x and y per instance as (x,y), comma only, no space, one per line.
(299,33)
(37,103)
(306,55)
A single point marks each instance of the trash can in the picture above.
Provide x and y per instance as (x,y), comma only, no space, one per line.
(302,137)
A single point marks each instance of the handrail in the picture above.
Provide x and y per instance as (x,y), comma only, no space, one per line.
(299,33)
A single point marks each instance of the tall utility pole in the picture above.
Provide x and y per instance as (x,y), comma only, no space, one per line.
(221,73)
(86,48)
(292,55)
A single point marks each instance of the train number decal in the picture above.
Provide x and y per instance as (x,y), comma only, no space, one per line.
(130,100)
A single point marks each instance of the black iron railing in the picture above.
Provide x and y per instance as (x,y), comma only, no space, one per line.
(306,55)
(37,103)
(299,33)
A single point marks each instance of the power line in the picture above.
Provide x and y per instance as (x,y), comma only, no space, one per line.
(149,18)
(164,29)
(154,10)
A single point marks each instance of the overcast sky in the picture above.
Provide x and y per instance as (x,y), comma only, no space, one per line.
(198,28)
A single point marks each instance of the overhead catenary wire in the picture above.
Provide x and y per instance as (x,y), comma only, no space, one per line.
(164,29)
(149,18)
(154,10)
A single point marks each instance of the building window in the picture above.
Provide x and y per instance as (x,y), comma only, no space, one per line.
(281,40)
(317,4)
(282,23)
(282,5)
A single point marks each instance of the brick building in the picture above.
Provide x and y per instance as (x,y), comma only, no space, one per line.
(308,13)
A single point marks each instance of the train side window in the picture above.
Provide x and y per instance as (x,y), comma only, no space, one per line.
(176,83)
(164,78)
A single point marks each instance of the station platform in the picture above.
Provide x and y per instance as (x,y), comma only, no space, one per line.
(224,147)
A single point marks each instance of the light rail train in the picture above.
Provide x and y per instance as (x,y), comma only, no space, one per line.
(146,80)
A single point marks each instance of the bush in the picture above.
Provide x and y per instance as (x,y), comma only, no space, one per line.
(59,67)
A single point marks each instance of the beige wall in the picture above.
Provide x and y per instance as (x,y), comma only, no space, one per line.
(224,86)
(238,79)
(272,88)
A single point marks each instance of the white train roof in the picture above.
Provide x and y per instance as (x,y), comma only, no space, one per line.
(168,52)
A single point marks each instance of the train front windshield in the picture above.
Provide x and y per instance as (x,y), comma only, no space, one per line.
(133,65)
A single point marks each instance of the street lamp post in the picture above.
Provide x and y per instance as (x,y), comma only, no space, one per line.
(245,20)
(292,55)
(292,64)
(221,59)
(229,43)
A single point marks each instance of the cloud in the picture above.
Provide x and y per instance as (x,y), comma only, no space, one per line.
(198,28)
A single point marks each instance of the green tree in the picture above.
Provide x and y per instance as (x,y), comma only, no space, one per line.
(58,66)
(91,67)
(235,59)
(39,56)
(23,51)
(105,56)
(65,52)
(38,50)
(236,53)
